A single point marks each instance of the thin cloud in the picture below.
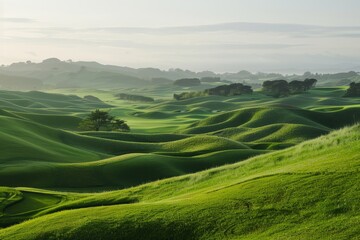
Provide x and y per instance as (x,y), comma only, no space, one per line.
(17,20)
(234,27)
(294,30)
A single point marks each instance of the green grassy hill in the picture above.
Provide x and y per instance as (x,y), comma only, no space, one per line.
(274,127)
(309,191)
(54,110)
(34,155)
(168,116)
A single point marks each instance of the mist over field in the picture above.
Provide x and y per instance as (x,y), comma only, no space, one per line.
(171,119)
(276,36)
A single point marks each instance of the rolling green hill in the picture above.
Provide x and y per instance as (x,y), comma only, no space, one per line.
(240,167)
(54,110)
(274,127)
(309,191)
(39,156)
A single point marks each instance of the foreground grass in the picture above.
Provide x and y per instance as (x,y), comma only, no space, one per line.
(309,191)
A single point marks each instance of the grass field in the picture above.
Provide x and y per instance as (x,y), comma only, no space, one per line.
(303,192)
(241,167)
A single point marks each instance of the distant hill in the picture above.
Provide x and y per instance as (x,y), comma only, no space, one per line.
(53,72)
(19,83)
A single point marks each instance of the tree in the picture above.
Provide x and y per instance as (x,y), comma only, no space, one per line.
(276,88)
(223,90)
(120,125)
(297,86)
(187,82)
(353,90)
(309,83)
(99,119)
(281,88)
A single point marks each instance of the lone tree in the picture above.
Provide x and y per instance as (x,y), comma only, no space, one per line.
(102,120)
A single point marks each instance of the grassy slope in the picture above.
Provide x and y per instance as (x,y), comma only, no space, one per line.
(99,158)
(264,116)
(274,127)
(54,110)
(182,113)
(38,156)
(309,191)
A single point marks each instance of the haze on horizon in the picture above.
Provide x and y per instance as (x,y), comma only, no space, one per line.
(218,35)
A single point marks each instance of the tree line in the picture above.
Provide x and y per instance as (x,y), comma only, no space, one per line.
(282,88)
(223,90)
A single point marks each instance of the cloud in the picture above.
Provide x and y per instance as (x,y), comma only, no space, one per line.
(237,27)
(220,47)
(292,30)
(17,20)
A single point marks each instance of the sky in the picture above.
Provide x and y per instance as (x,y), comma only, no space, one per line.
(287,36)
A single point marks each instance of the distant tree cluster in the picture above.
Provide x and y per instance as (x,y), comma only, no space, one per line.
(101,120)
(131,97)
(210,79)
(187,82)
(230,90)
(281,88)
(353,90)
(223,90)
(187,95)
(161,81)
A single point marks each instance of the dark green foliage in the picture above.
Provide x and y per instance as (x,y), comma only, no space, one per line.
(309,83)
(223,90)
(210,79)
(281,88)
(99,119)
(118,124)
(131,97)
(296,86)
(276,88)
(229,90)
(187,95)
(187,82)
(353,90)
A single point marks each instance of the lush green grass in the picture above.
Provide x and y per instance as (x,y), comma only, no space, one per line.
(34,155)
(304,192)
(309,191)
(166,115)
(33,152)
(274,127)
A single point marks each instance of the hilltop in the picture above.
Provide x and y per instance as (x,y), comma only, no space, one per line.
(54,73)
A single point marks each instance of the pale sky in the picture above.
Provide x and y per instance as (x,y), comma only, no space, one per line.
(218,35)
